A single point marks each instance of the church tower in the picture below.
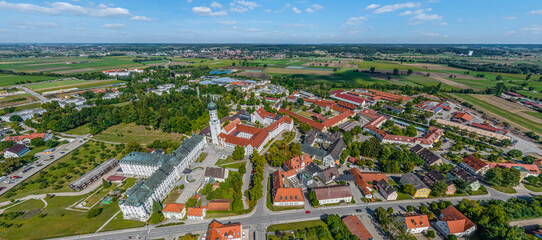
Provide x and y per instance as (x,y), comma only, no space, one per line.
(214,123)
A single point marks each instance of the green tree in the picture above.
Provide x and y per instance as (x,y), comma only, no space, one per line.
(312,197)
(156,218)
(514,153)
(439,189)
(156,206)
(105,184)
(390,210)
(132,147)
(395,71)
(410,208)
(423,209)
(372,69)
(15,118)
(411,131)
(238,153)
(304,127)
(94,212)
(409,189)
(243,168)
(409,71)
(431,234)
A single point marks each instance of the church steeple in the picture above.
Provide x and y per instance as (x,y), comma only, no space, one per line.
(214,122)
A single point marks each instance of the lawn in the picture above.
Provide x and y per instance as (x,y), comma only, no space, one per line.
(385,65)
(82,86)
(55,84)
(502,113)
(8,79)
(128,183)
(81,130)
(58,64)
(219,214)
(533,188)
(124,133)
(119,223)
(27,205)
(57,176)
(296,225)
(55,220)
(228,160)
(172,197)
(504,189)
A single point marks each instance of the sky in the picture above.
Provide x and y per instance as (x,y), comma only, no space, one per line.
(271,21)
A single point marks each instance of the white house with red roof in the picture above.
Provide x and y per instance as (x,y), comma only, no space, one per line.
(415,223)
(196,213)
(452,221)
(26,139)
(174,210)
(219,231)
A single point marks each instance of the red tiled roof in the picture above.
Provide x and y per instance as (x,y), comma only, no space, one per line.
(259,135)
(219,231)
(228,128)
(288,195)
(173,207)
(346,105)
(21,137)
(416,221)
(265,114)
(298,162)
(351,97)
(463,116)
(332,192)
(332,121)
(457,222)
(302,119)
(375,94)
(474,162)
(192,211)
(354,225)
(488,128)
(276,179)
(337,91)
(532,168)
(219,205)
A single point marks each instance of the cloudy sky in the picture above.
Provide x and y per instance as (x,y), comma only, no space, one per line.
(271,21)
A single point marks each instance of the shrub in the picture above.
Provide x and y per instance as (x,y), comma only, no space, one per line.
(93,212)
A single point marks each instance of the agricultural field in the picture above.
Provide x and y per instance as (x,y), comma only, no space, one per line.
(124,133)
(298,71)
(57,176)
(55,84)
(17,100)
(81,85)
(499,108)
(8,79)
(58,65)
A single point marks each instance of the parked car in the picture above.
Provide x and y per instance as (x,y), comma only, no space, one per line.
(307,212)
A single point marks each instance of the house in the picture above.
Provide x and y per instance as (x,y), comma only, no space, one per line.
(305,178)
(362,180)
(474,165)
(18,150)
(26,139)
(219,231)
(288,197)
(355,226)
(415,223)
(458,173)
(422,191)
(329,175)
(217,174)
(386,190)
(333,194)
(525,170)
(430,158)
(196,213)
(433,176)
(461,117)
(219,205)
(452,221)
(174,210)
(297,163)
(393,109)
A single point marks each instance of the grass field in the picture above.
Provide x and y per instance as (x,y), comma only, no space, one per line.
(56,84)
(119,223)
(59,64)
(296,225)
(7,79)
(81,130)
(531,94)
(124,133)
(387,65)
(502,113)
(534,114)
(65,170)
(82,85)
(55,220)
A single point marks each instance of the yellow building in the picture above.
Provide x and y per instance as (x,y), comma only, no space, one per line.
(422,190)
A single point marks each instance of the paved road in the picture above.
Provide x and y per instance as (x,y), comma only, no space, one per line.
(35,94)
(261,218)
(44,159)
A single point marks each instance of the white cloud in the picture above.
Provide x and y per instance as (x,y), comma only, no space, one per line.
(415,12)
(228,22)
(141,18)
(28,8)
(395,7)
(267,10)
(309,10)
(114,26)
(252,30)
(104,11)
(425,17)
(509,18)
(241,6)
(68,7)
(536,12)
(314,8)
(205,11)
(296,10)
(353,21)
(372,6)
(216,5)
(35,25)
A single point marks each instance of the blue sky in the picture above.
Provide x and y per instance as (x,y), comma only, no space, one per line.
(271,21)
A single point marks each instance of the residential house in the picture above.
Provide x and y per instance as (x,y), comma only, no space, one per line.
(458,173)
(415,223)
(288,197)
(386,190)
(525,170)
(427,156)
(452,221)
(461,117)
(196,213)
(219,231)
(219,205)
(333,194)
(355,226)
(329,175)
(422,191)
(474,165)
(174,210)
(433,176)
(26,139)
